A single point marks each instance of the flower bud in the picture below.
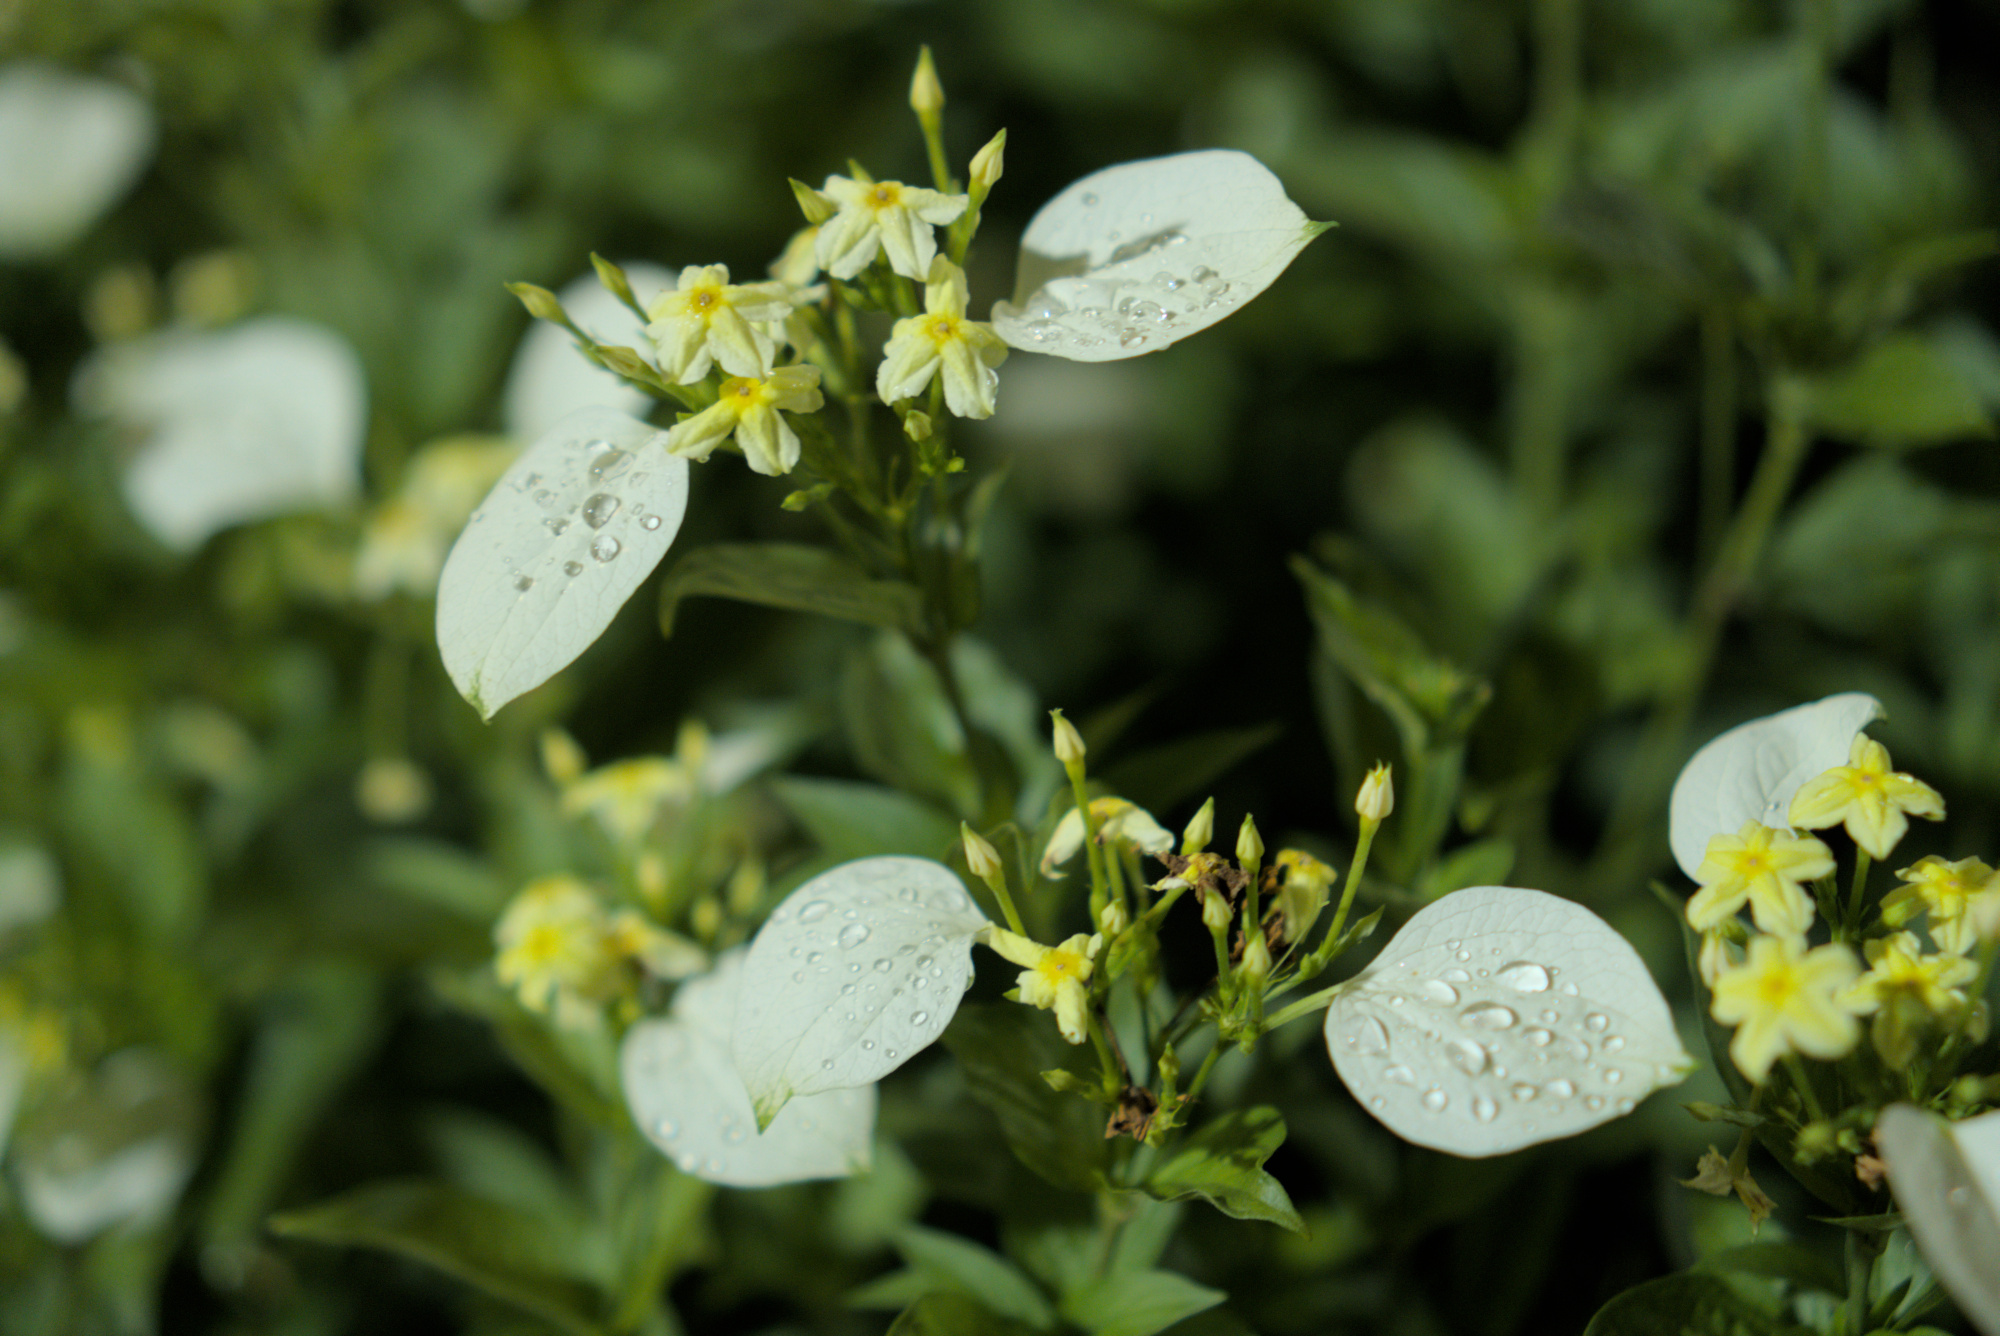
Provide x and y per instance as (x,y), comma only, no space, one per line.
(981,858)
(1114,918)
(988,163)
(541,303)
(1256,965)
(815,206)
(1378,795)
(1249,844)
(926,93)
(1200,829)
(1214,910)
(613,278)
(562,759)
(917,425)
(1068,742)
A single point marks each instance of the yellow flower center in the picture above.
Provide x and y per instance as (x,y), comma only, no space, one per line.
(1777,987)
(704,299)
(1060,966)
(883,195)
(943,328)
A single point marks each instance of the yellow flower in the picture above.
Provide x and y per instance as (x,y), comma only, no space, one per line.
(1899,968)
(943,339)
(1953,894)
(1054,977)
(1867,797)
(554,950)
(1765,867)
(705,319)
(1784,998)
(626,796)
(882,215)
(1118,822)
(1301,883)
(404,542)
(749,408)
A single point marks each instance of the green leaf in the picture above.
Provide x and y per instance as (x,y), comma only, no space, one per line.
(577,1068)
(1779,1261)
(851,820)
(950,1314)
(1904,391)
(1223,1164)
(438,873)
(482,1243)
(955,1263)
(1137,1303)
(1004,1048)
(901,726)
(1481,863)
(1161,778)
(1685,1305)
(792,576)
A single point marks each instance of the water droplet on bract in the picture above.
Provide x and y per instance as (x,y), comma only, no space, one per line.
(1538,1037)
(1376,1102)
(798,976)
(1438,993)
(1614,1043)
(920,1017)
(1144,311)
(596,447)
(814,910)
(1171,282)
(714,1165)
(609,465)
(1522,1091)
(1089,199)
(1570,989)
(1400,1074)
(1596,1022)
(572,568)
(1958,1198)
(815,957)
(847,990)
(1435,1100)
(666,1129)
(556,525)
(1524,976)
(924,962)
(688,1162)
(1395,999)
(733,1133)
(1550,1017)
(1484,1109)
(524,583)
(1560,1088)
(1465,955)
(1365,1034)
(826,1064)
(1131,338)
(1467,1056)
(1488,1016)
(604,547)
(884,965)
(868,1044)
(1612,1076)
(1042,331)
(1593,1102)
(532,480)
(597,511)
(650,523)
(544,497)
(1624,1106)
(1203,275)
(1455,976)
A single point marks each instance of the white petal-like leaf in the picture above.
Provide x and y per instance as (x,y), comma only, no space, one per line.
(851,975)
(1947,1183)
(261,419)
(1751,772)
(686,1097)
(69,147)
(1500,1017)
(1141,255)
(559,544)
(550,379)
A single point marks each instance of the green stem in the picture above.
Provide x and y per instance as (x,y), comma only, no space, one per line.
(1361,847)
(1201,1073)
(1718,428)
(1852,923)
(1305,1006)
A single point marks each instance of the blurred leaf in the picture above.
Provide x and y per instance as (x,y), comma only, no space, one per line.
(139,837)
(577,1069)
(1163,777)
(1904,391)
(482,1243)
(1137,1303)
(1677,1306)
(851,820)
(951,1262)
(437,873)
(1780,1261)
(792,576)
(1857,551)
(1223,1164)
(1004,1049)
(950,1314)
(1481,863)
(902,728)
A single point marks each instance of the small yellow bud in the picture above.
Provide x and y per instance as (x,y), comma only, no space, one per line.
(1214,910)
(1256,965)
(1249,844)
(562,759)
(625,362)
(649,872)
(541,303)
(392,790)
(981,858)
(926,93)
(1114,918)
(1200,830)
(706,918)
(815,206)
(917,425)
(746,887)
(613,278)
(1069,742)
(1378,795)
(988,163)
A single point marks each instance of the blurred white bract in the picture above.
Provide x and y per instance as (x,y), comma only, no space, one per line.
(70,147)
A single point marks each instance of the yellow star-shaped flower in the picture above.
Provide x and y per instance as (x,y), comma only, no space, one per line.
(1867,797)
(1953,895)
(1054,977)
(943,339)
(1765,867)
(882,215)
(553,950)
(1118,822)
(1899,968)
(706,320)
(1784,998)
(748,408)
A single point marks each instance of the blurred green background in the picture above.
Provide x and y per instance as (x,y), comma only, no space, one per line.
(1595,262)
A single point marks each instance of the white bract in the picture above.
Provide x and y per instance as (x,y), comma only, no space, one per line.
(857,970)
(550,379)
(686,1097)
(1751,772)
(559,544)
(1946,1178)
(1141,255)
(264,418)
(69,148)
(1500,1017)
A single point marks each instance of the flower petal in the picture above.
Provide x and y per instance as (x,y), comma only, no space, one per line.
(1944,1180)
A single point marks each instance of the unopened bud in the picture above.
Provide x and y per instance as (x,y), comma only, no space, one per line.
(988,163)
(926,93)
(1249,844)
(1200,830)
(613,278)
(917,425)
(650,874)
(1069,742)
(625,362)
(1256,966)
(1214,910)
(1114,918)
(1983,912)
(562,759)
(706,918)
(816,207)
(981,858)
(541,303)
(1378,795)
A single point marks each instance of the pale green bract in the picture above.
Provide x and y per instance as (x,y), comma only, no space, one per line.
(559,544)
(1501,1017)
(1751,772)
(1946,1179)
(70,146)
(1138,256)
(686,1097)
(855,972)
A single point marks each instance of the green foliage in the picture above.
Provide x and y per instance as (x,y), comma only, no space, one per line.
(1223,1164)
